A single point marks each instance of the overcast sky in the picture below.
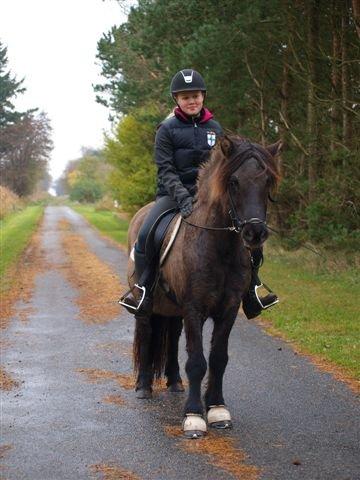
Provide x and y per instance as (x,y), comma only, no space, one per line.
(52,44)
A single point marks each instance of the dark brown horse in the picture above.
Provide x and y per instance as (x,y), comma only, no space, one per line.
(207,273)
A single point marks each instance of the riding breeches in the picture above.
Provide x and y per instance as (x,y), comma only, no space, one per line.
(162,204)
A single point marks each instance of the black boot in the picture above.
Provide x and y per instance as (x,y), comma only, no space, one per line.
(145,277)
(252,303)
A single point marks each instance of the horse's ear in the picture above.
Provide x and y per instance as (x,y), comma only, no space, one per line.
(275,148)
(226,145)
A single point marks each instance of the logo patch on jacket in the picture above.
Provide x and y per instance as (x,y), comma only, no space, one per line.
(211,138)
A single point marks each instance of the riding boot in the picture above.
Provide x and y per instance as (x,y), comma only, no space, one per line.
(145,277)
(252,303)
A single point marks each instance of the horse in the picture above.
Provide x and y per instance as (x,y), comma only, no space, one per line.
(205,276)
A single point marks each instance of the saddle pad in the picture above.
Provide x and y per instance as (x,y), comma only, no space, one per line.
(168,246)
(171,241)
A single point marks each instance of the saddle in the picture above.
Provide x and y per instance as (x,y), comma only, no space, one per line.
(157,234)
(154,257)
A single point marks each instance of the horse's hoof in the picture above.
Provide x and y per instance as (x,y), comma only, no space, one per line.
(176,387)
(144,393)
(194,426)
(221,425)
(194,434)
(218,416)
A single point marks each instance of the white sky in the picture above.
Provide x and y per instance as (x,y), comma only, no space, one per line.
(53,44)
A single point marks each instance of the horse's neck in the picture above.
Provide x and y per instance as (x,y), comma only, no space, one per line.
(215,216)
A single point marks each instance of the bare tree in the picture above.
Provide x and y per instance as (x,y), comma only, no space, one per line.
(25,148)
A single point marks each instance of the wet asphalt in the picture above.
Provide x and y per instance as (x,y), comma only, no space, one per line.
(292,420)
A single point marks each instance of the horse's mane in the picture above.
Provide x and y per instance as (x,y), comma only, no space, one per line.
(225,158)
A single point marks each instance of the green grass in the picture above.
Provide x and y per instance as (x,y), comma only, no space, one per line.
(318,306)
(108,223)
(15,233)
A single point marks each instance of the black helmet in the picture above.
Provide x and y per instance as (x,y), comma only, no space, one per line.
(187,80)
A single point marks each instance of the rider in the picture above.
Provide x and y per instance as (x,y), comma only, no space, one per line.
(182,143)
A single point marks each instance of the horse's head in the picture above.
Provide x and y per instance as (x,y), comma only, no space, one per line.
(242,179)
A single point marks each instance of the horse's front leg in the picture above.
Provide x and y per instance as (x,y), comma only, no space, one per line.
(194,425)
(218,415)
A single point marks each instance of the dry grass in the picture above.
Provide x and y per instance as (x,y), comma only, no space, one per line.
(93,375)
(113,472)
(31,263)
(9,202)
(124,380)
(98,286)
(220,451)
(6,382)
(3,450)
(115,400)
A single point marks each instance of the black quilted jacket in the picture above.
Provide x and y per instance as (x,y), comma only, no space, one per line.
(181,145)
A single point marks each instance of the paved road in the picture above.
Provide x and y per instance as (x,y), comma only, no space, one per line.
(291,420)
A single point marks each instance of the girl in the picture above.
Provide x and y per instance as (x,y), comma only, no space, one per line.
(182,143)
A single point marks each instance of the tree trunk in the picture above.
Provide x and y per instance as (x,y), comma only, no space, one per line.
(335,75)
(345,80)
(356,15)
(312,128)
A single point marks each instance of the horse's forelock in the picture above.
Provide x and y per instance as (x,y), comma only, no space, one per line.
(247,150)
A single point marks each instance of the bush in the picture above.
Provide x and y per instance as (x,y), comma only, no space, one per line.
(9,202)
(86,191)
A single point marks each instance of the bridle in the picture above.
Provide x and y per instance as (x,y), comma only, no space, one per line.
(237,223)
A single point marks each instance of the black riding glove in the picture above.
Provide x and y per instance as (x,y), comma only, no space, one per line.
(186,206)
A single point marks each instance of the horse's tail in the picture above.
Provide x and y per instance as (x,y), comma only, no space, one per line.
(158,341)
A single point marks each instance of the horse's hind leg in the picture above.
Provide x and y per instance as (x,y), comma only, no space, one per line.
(143,357)
(218,415)
(174,382)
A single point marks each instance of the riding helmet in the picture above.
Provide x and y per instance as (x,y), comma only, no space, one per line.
(187,80)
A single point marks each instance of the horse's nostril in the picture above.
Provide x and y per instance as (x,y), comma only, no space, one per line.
(248,235)
(264,234)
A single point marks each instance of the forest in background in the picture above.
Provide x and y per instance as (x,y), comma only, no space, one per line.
(274,69)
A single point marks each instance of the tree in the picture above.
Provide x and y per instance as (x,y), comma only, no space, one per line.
(273,68)
(9,88)
(84,179)
(130,152)
(25,148)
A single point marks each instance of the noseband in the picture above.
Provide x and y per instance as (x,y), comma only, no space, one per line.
(237,223)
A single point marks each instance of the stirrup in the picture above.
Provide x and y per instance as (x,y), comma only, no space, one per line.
(123,302)
(263,304)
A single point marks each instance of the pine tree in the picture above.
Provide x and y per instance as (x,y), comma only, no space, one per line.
(9,88)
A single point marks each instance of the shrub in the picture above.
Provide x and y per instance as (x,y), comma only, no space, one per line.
(9,202)
(86,191)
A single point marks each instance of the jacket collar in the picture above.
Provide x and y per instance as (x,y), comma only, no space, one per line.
(203,116)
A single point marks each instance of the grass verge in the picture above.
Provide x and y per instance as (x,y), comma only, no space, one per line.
(15,233)
(107,222)
(318,307)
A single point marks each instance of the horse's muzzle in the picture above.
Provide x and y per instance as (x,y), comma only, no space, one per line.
(255,234)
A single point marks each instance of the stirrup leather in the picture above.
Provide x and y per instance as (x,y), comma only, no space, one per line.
(122,300)
(258,298)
